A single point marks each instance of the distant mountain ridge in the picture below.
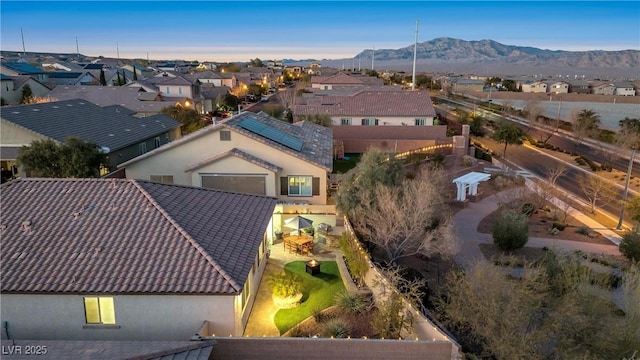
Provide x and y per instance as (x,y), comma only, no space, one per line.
(449,49)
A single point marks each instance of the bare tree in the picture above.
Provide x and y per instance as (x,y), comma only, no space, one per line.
(534,110)
(409,219)
(585,124)
(596,189)
(554,172)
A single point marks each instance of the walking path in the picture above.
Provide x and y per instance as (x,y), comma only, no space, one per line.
(467,220)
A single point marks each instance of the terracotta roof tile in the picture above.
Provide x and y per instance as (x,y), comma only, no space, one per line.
(127,236)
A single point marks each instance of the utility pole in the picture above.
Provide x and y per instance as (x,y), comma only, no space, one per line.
(558,116)
(373,57)
(415,52)
(24,52)
(626,189)
(77,49)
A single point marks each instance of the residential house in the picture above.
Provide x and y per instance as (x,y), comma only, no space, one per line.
(210,95)
(120,135)
(57,78)
(207,65)
(14,68)
(579,87)
(624,89)
(142,102)
(250,153)
(557,87)
(395,121)
(342,80)
(603,88)
(179,88)
(11,88)
(534,86)
(275,64)
(142,72)
(122,259)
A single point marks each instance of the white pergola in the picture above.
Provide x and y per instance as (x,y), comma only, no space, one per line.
(469,181)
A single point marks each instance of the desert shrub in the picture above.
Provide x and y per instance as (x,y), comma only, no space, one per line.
(630,245)
(467,161)
(528,209)
(318,316)
(296,332)
(351,303)
(510,230)
(583,230)
(558,225)
(337,328)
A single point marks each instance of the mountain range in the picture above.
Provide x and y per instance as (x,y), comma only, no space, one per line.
(448,53)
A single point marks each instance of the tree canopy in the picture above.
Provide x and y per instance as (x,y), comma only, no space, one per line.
(72,159)
(189,118)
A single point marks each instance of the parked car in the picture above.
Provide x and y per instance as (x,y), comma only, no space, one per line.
(264,98)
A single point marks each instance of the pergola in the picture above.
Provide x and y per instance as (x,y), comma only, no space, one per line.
(469,181)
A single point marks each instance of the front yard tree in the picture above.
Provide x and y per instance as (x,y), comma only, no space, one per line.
(508,133)
(189,118)
(408,218)
(375,167)
(72,159)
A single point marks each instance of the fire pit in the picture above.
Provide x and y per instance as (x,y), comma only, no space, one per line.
(313,267)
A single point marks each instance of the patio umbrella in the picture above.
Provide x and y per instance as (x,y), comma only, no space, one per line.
(298,223)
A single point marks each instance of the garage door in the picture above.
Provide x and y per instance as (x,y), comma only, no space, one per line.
(250,184)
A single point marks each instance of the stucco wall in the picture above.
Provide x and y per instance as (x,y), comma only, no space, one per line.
(234,165)
(12,135)
(139,317)
(176,160)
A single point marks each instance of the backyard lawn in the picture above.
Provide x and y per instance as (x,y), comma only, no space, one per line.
(318,293)
(347,163)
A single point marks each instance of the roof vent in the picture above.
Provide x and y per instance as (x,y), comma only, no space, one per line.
(26,227)
(76,215)
(15,112)
(127,129)
(56,107)
(35,109)
(3,228)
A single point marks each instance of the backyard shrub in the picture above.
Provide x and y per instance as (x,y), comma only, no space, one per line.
(285,284)
(337,328)
(355,260)
(510,230)
(351,303)
(630,245)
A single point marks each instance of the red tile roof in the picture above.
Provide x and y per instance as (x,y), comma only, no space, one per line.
(372,103)
(127,236)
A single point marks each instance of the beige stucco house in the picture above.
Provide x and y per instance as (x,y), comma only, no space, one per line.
(558,87)
(119,259)
(534,87)
(249,153)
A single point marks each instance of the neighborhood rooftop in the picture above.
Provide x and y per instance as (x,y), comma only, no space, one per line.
(107,127)
(127,236)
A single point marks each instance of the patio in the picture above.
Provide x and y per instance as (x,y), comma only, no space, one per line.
(261,320)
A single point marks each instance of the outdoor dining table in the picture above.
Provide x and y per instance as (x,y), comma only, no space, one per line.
(301,244)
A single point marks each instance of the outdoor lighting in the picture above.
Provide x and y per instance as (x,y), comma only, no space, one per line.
(313,267)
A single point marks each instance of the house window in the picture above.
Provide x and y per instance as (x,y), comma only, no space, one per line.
(156,142)
(167,92)
(180,90)
(370,122)
(345,121)
(421,121)
(163,179)
(245,291)
(225,135)
(300,186)
(99,310)
(142,148)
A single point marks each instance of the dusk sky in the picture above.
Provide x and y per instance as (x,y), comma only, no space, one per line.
(243,30)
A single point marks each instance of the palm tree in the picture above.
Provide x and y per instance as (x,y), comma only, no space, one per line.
(508,133)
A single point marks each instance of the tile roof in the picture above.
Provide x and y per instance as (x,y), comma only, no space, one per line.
(372,103)
(238,153)
(340,78)
(112,350)
(106,127)
(317,140)
(126,236)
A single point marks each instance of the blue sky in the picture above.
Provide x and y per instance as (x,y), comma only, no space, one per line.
(244,30)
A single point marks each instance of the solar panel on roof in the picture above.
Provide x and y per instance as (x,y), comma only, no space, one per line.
(271,133)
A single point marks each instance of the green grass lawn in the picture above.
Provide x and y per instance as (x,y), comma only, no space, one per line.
(342,166)
(318,293)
